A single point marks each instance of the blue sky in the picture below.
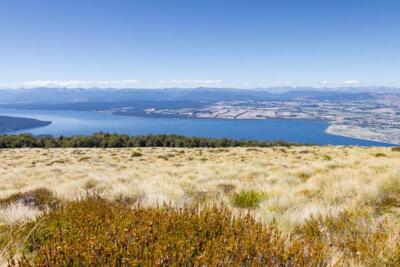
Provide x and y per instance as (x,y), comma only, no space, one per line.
(188,43)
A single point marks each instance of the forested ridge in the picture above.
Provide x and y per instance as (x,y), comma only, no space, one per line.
(106,140)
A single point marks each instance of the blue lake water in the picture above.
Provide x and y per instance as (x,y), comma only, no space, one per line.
(69,123)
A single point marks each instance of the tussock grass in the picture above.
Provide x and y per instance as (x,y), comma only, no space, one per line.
(351,176)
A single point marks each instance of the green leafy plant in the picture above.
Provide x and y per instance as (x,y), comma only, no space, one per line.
(248,199)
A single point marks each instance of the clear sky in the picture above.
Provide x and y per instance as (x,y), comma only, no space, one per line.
(188,43)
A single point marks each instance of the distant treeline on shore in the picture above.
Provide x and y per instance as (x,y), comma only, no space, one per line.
(106,140)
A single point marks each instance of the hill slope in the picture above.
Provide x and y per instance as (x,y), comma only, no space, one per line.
(342,202)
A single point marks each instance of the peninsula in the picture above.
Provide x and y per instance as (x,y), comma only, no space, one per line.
(9,124)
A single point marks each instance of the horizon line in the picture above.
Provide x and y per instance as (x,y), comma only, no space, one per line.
(268,88)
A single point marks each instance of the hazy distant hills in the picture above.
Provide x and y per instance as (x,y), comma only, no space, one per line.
(326,95)
(62,95)
(56,95)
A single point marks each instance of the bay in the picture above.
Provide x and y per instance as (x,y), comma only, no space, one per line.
(67,123)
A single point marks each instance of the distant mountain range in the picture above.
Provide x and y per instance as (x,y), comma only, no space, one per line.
(63,95)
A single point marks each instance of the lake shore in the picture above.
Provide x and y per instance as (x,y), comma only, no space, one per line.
(68,123)
(360,133)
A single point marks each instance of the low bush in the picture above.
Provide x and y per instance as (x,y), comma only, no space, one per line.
(248,199)
(226,188)
(41,198)
(98,232)
(388,197)
(136,154)
(356,237)
(304,176)
(95,232)
(90,184)
(327,157)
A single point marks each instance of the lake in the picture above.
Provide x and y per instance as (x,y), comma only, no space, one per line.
(69,123)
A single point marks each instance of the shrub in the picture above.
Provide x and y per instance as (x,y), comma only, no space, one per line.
(355,236)
(84,159)
(95,232)
(40,198)
(247,199)
(90,184)
(136,154)
(226,188)
(388,197)
(327,157)
(304,176)
(164,157)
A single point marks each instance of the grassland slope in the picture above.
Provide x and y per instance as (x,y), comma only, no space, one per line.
(347,198)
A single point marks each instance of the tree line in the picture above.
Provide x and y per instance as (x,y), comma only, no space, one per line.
(106,140)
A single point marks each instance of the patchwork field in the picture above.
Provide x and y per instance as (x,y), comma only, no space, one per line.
(333,194)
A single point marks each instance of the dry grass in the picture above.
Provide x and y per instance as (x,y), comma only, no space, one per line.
(305,188)
(299,182)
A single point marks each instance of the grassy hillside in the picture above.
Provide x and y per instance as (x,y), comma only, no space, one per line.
(340,204)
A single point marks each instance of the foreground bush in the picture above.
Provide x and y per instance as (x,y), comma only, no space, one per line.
(95,232)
